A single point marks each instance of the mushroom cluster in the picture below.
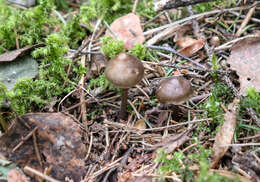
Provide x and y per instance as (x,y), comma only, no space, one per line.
(125,71)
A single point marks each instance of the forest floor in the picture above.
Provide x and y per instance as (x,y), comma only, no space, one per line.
(59,115)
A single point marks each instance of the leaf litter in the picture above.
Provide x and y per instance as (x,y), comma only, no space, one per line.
(124,151)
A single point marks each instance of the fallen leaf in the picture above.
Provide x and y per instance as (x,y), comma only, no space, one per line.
(15,176)
(174,142)
(225,134)
(11,72)
(12,55)
(189,46)
(127,28)
(59,142)
(244,59)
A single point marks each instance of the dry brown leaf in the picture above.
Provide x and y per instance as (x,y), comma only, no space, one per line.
(185,42)
(244,59)
(12,55)
(189,46)
(16,176)
(225,134)
(127,28)
(59,140)
(174,142)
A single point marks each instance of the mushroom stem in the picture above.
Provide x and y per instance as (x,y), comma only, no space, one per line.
(123,113)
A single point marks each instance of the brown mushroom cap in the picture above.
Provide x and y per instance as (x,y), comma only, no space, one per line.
(124,70)
(174,90)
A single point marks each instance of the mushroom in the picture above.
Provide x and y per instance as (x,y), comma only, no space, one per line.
(174,90)
(124,71)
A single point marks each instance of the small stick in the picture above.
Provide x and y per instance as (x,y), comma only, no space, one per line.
(24,139)
(246,20)
(169,4)
(177,53)
(90,146)
(133,129)
(241,144)
(83,107)
(134,7)
(37,149)
(179,22)
(28,169)
(16,39)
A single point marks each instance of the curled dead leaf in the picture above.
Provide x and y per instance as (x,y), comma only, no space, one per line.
(189,46)
(127,28)
(225,134)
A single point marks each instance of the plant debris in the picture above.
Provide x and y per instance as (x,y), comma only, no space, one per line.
(244,59)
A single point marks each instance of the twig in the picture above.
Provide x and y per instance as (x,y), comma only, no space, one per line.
(90,145)
(24,139)
(177,53)
(256,20)
(109,29)
(37,149)
(245,21)
(16,39)
(34,171)
(232,42)
(133,129)
(102,170)
(83,107)
(193,17)
(169,4)
(241,144)
(135,5)
(77,52)
(60,16)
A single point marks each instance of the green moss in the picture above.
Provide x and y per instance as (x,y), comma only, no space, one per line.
(101,82)
(110,10)
(139,51)
(29,27)
(178,159)
(111,47)
(74,32)
(202,7)
(252,100)
(220,93)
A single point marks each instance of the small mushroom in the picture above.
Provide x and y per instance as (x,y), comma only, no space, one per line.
(174,90)
(124,71)
(215,41)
